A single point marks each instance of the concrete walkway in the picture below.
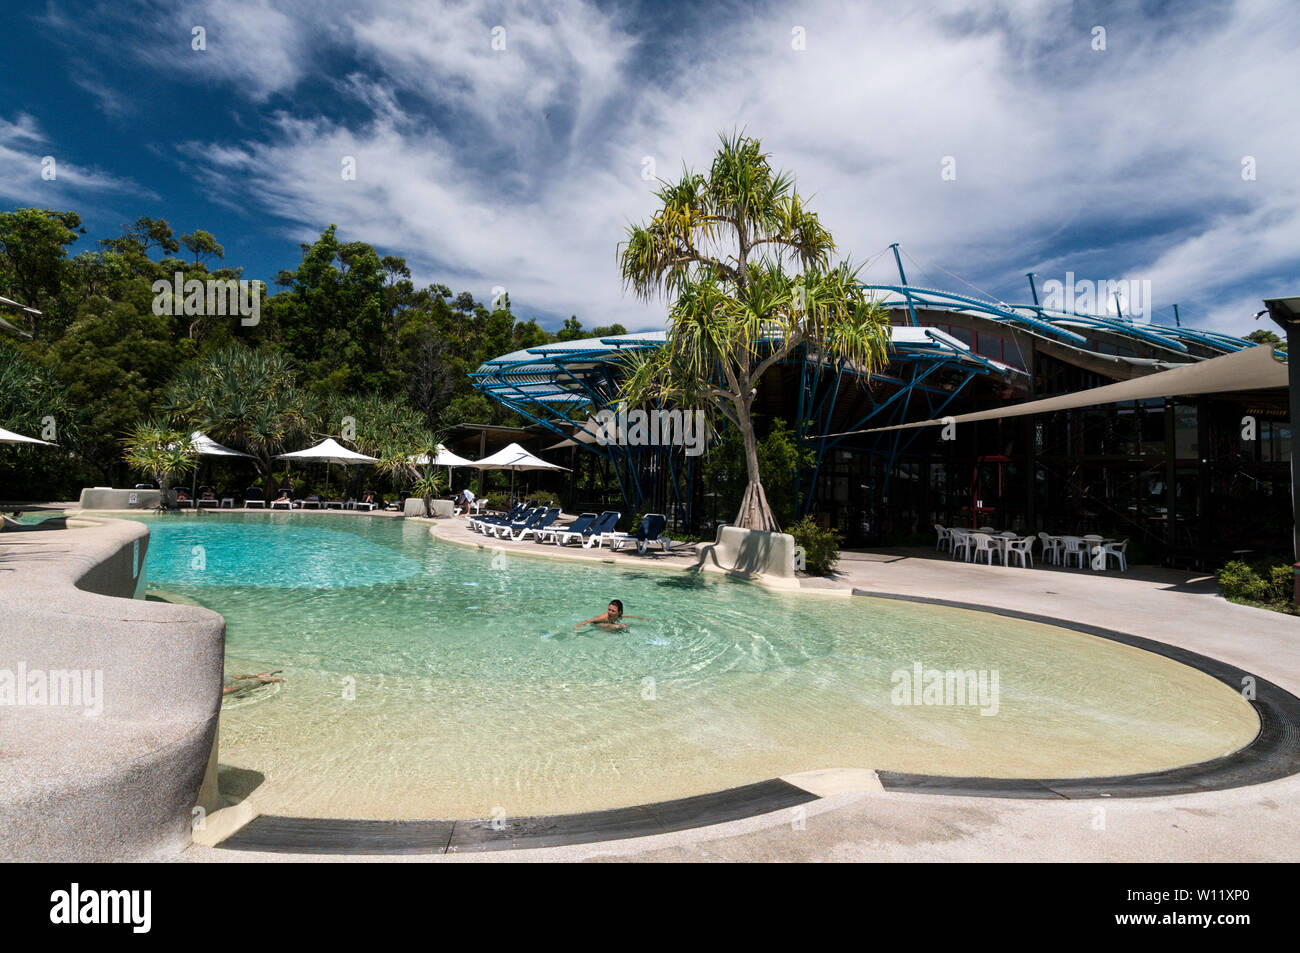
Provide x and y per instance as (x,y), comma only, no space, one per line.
(860,824)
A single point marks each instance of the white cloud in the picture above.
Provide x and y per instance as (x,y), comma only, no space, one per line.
(1124,163)
(25,151)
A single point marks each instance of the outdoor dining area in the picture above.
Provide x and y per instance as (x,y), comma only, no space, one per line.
(987,543)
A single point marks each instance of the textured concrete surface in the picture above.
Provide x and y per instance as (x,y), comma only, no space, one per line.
(751,553)
(104,498)
(121,782)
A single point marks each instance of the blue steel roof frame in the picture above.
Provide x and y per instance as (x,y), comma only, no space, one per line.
(948,301)
(1148,334)
(1156,334)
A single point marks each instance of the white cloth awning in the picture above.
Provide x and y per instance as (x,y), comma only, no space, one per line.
(515,457)
(205,446)
(328,450)
(1254,368)
(8,436)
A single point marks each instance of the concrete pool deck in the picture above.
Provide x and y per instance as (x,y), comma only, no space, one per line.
(855,819)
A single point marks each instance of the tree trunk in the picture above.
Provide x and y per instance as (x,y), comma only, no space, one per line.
(754,511)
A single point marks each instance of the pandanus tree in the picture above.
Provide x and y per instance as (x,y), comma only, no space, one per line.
(161,451)
(243,397)
(748,270)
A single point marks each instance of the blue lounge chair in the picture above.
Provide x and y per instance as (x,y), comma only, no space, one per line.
(488,524)
(602,528)
(578,527)
(504,530)
(650,531)
(478,523)
(537,526)
(253,497)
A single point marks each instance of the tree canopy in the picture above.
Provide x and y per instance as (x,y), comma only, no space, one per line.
(345,325)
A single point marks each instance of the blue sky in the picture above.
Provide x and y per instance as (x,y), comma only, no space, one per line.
(520,167)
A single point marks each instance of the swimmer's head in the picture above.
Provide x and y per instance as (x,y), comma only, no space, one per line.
(615,608)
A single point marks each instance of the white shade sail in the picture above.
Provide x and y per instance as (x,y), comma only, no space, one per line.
(515,457)
(444,458)
(205,446)
(328,450)
(583,433)
(8,436)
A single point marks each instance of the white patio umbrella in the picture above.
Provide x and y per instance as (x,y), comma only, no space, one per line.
(328,451)
(515,458)
(443,458)
(205,446)
(8,436)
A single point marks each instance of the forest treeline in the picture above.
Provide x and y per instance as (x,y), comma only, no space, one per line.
(345,327)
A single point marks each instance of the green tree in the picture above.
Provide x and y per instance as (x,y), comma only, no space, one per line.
(332,319)
(779,460)
(33,263)
(161,451)
(572,330)
(719,247)
(1263,336)
(202,245)
(245,398)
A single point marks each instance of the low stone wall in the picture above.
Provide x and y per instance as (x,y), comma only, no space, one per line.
(765,557)
(414,506)
(115,769)
(106,498)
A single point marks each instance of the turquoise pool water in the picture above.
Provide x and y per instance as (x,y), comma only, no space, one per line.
(426,679)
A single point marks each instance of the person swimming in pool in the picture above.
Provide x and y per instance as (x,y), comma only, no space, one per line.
(611,618)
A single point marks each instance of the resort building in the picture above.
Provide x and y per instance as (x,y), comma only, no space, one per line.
(1188,477)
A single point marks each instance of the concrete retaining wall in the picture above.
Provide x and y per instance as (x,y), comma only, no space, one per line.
(120,784)
(414,506)
(105,498)
(765,557)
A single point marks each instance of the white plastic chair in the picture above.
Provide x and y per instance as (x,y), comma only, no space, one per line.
(983,543)
(1075,546)
(961,542)
(1023,549)
(945,536)
(1051,548)
(1117,551)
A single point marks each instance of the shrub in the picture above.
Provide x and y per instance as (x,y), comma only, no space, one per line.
(1268,585)
(821,546)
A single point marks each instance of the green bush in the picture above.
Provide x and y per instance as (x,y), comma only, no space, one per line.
(1263,584)
(821,546)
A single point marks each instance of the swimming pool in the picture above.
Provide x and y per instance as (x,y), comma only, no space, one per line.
(426,679)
